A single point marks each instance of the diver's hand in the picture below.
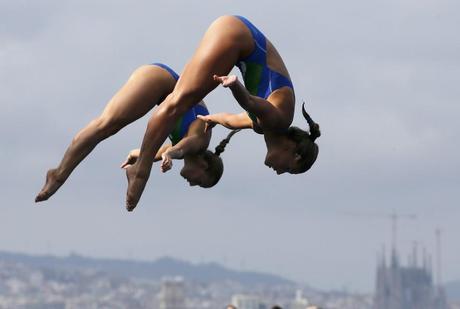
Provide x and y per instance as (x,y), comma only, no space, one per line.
(131,158)
(226,81)
(209,122)
(166,164)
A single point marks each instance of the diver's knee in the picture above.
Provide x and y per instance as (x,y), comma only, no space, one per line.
(108,126)
(178,102)
(140,71)
(189,97)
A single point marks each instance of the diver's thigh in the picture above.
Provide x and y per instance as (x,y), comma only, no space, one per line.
(146,87)
(223,44)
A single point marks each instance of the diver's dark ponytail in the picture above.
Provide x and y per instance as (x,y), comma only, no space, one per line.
(314,127)
(221,147)
(215,164)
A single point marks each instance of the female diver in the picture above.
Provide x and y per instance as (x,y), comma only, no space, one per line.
(268,97)
(146,87)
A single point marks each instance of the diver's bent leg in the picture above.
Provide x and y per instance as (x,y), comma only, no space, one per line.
(218,52)
(159,126)
(140,94)
(82,144)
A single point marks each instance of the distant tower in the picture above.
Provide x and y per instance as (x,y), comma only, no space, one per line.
(172,294)
(299,302)
(408,287)
(438,258)
(440,293)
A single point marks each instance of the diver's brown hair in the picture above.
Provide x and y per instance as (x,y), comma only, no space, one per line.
(215,165)
(306,147)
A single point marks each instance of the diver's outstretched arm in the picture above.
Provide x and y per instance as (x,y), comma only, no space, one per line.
(188,145)
(134,154)
(196,141)
(230,121)
(262,109)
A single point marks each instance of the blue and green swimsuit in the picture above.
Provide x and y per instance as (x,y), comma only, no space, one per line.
(258,78)
(184,122)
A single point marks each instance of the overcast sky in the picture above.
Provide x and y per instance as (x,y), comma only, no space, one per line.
(381,78)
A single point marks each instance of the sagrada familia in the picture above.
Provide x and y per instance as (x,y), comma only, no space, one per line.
(407,287)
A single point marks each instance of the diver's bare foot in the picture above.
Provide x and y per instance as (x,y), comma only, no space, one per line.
(51,186)
(136,185)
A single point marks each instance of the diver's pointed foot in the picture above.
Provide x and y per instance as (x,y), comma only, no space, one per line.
(136,185)
(42,196)
(51,186)
(130,205)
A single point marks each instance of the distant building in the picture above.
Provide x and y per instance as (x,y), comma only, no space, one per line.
(407,287)
(172,294)
(241,301)
(299,302)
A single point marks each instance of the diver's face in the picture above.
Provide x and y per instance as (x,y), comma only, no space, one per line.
(282,160)
(195,174)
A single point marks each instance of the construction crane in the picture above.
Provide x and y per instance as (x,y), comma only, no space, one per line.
(394,217)
(439,282)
